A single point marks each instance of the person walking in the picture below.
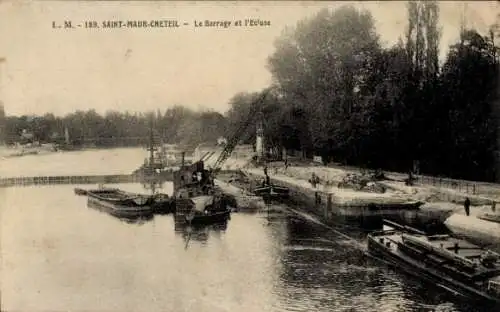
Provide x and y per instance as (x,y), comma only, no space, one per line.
(467,206)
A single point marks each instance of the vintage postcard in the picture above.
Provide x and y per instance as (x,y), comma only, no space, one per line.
(249,156)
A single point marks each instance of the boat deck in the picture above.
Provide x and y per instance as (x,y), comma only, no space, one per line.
(444,246)
(111,194)
(465,249)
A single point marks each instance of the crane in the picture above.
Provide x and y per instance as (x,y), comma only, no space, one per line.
(233,140)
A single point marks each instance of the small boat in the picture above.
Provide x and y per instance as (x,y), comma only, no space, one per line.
(121,204)
(270,191)
(80,191)
(451,263)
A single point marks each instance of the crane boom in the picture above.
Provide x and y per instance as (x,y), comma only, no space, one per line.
(233,141)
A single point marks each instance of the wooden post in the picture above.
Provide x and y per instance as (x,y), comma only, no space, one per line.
(329,205)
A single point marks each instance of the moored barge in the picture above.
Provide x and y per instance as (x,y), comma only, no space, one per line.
(121,204)
(451,263)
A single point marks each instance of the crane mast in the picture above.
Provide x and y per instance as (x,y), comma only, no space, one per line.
(233,141)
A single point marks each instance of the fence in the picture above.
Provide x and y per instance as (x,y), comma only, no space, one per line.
(462,186)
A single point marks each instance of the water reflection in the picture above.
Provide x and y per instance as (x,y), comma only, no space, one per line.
(198,233)
(131,219)
(324,272)
(299,228)
(417,295)
(137,220)
(74,258)
(321,274)
(275,213)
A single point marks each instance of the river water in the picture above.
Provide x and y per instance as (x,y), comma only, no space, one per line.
(59,255)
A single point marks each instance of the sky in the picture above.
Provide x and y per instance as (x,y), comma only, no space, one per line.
(59,71)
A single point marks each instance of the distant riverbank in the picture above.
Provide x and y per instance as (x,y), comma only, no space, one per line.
(82,162)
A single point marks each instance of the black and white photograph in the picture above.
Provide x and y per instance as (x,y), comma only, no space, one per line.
(253,156)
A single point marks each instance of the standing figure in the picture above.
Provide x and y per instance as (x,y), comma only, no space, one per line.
(410,178)
(313,180)
(467,206)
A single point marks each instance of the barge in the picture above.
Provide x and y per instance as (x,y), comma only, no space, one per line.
(451,263)
(121,204)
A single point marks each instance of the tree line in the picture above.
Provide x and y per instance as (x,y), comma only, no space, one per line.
(340,94)
(175,125)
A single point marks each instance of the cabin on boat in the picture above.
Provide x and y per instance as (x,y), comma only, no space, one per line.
(463,265)
(192,179)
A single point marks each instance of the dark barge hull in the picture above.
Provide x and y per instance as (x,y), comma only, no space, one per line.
(120,211)
(378,251)
(212,218)
(119,207)
(165,207)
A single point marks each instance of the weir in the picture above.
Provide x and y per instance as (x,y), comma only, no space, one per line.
(74,179)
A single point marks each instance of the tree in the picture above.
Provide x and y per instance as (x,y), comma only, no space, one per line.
(472,127)
(319,66)
(119,129)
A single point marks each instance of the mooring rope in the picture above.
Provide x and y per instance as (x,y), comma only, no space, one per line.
(347,237)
